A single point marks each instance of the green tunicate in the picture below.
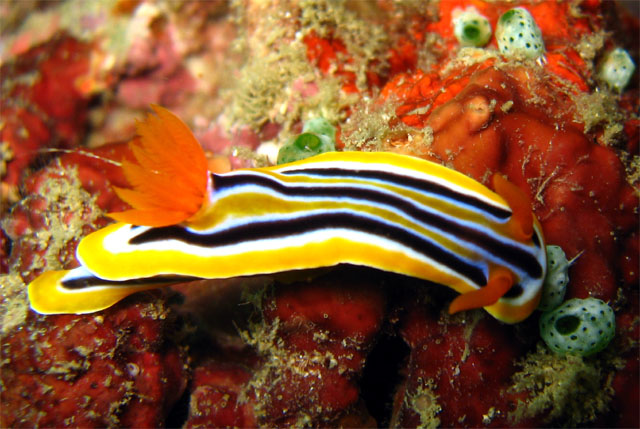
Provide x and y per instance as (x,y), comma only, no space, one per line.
(507,16)
(579,327)
(470,32)
(471,28)
(321,127)
(318,136)
(518,35)
(555,282)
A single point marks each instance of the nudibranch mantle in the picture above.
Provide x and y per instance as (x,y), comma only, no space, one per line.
(386,211)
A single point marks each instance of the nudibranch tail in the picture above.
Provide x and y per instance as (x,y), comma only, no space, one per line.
(169,178)
(78,291)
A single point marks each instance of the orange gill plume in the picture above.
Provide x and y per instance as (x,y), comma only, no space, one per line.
(169,178)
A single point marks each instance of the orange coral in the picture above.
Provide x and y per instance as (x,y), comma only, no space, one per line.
(324,52)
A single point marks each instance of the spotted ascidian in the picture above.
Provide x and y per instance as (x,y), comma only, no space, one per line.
(579,326)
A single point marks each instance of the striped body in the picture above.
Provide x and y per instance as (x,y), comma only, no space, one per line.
(381,210)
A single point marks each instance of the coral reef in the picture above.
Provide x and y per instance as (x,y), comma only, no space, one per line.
(310,343)
(41,106)
(118,368)
(216,388)
(451,360)
(310,348)
(65,201)
(314,341)
(575,390)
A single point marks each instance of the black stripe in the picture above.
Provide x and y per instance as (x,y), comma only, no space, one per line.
(535,239)
(513,293)
(91,281)
(259,230)
(511,254)
(421,185)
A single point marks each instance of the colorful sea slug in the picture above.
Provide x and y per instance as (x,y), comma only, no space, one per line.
(382,210)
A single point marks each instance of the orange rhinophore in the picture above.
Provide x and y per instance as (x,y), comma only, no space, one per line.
(499,283)
(521,222)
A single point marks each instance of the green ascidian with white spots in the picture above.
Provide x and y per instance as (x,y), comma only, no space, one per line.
(471,28)
(616,69)
(556,280)
(578,327)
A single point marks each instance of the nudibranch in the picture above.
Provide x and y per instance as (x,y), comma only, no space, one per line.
(381,210)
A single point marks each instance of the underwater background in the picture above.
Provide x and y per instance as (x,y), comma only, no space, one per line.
(544,93)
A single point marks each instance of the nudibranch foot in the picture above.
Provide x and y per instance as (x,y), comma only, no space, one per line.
(78,291)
